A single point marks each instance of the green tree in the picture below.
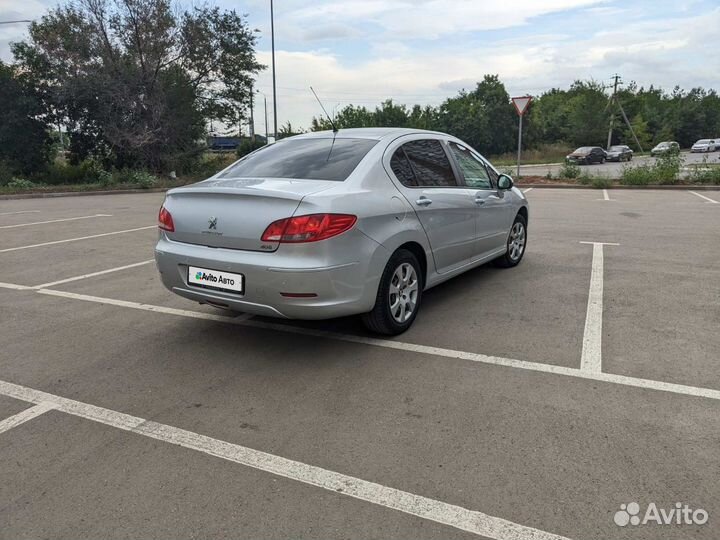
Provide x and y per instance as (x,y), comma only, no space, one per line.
(24,139)
(134,80)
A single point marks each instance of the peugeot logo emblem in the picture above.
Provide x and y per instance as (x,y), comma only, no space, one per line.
(212,223)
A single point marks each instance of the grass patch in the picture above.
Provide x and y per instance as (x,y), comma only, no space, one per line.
(545,153)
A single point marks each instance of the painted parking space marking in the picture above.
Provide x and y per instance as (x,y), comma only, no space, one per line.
(708,199)
(19,212)
(94,274)
(606,196)
(54,221)
(591,358)
(528,189)
(26,415)
(623,380)
(31,246)
(402,501)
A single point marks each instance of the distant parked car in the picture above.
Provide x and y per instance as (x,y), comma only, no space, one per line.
(587,155)
(620,152)
(706,145)
(665,147)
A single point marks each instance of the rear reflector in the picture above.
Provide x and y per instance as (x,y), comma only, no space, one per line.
(165,220)
(309,228)
(298,295)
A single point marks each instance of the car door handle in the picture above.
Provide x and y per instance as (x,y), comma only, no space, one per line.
(479,200)
(423,201)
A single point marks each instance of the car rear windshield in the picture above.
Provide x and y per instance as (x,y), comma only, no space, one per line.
(617,148)
(316,159)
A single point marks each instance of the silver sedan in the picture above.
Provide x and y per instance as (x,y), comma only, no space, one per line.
(326,224)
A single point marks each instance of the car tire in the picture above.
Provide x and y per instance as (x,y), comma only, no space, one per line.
(508,260)
(384,317)
(602,161)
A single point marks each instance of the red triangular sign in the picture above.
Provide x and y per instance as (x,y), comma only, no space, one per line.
(521,104)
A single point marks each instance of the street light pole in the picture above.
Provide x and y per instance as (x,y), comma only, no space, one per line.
(272,39)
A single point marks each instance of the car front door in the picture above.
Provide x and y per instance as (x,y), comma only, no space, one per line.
(445,208)
(493,206)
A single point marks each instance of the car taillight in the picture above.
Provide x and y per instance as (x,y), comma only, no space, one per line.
(310,228)
(165,220)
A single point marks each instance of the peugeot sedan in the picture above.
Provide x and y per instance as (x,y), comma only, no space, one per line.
(323,225)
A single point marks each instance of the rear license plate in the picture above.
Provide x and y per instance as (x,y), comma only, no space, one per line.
(216,279)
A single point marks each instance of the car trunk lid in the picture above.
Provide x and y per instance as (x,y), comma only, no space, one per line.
(234,213)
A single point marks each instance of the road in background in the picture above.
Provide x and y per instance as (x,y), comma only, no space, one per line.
(611,169)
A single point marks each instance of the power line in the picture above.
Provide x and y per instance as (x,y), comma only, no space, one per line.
(16,22)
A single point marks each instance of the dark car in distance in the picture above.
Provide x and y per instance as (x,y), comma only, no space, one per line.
(587,155)
(619,152)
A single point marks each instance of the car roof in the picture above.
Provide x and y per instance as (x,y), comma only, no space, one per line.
(367,133)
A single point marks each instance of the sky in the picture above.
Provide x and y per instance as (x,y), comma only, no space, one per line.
(423,51)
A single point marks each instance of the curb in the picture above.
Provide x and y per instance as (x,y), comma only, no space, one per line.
(50,194)
(681,187)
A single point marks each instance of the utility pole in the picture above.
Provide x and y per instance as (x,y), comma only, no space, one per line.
(272,39)
(252,117)
(614,100)
(612,113)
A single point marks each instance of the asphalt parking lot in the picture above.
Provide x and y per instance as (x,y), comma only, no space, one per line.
(615,169)
(528,403)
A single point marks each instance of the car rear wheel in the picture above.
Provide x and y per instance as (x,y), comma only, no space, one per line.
(516,244)
(399,295)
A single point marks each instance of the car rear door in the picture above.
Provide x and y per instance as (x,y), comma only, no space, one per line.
(493,213)
(444,207)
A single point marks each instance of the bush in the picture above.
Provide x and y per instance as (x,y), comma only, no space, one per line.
(88,171)
(705,175)
(5,174)
(569,171)
(585,179)
(142,179)
(601,183)
(21,183)
(247,146)
(641,175)
(665,170)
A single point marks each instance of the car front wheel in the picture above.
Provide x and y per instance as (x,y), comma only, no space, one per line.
(398,297)
(516,244)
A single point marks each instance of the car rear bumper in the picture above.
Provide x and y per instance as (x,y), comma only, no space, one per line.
(341,289)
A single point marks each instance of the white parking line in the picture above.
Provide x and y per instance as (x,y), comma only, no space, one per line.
(14,286)
(591,359)
(53,221)
(704,197)
(84,276)
(20,212)
(24,416)
(411,347)
(528,189)
(6,250)
(341,484)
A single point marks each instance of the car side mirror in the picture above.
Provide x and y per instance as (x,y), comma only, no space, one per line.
(505,182)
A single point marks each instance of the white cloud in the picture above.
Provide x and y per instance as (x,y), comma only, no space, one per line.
(661,53)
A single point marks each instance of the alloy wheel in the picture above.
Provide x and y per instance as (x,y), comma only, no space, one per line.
(403,292)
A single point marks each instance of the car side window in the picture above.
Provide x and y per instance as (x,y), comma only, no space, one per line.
(402,169)
(430,163)
(473,169)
